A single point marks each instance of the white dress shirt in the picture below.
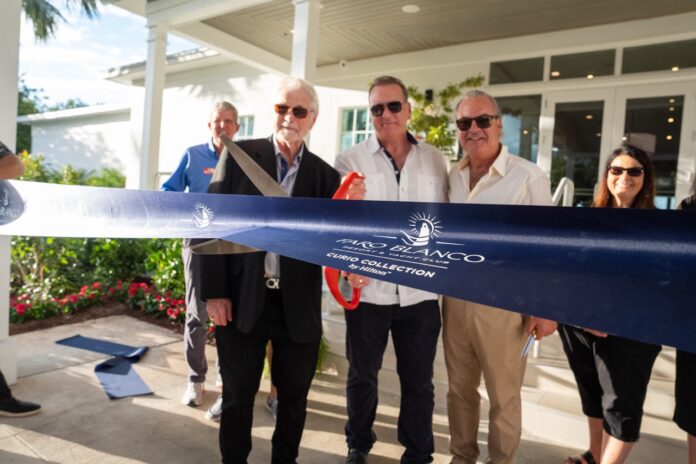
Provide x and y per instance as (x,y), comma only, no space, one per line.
(423,178)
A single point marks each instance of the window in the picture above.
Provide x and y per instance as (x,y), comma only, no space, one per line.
(507,72)
(246,128)
(356,126)
(671,56)
(654,124)
(587,65)
(520,116)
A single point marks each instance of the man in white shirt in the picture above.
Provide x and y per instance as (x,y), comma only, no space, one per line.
(397,168)
(482,339)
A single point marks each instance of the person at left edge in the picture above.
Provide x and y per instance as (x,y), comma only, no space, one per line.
(256,297)
(193,174)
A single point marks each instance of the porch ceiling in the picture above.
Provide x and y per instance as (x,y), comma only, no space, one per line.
(358,29)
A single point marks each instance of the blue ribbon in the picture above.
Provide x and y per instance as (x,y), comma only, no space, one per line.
(627,272)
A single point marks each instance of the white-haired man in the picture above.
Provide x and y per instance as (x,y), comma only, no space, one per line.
(258,297)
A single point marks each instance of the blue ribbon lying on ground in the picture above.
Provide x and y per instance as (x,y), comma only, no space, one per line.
(116,375)
(627,272)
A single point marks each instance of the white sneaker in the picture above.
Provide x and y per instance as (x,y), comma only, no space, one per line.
(214,412)
(193,396)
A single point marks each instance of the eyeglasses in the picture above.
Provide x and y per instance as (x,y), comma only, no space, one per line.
(633,172)
(393,107)
(482,122)
(298,111)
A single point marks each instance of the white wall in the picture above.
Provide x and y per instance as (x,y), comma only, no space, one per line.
(90,142)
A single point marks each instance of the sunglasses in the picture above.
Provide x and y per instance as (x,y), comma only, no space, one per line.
(297,111)
(633,172)
(393,107)
(482,122)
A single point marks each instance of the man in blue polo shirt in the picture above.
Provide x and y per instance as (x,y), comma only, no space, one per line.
(193,174)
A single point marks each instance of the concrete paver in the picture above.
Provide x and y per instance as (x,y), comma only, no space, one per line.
(79,424)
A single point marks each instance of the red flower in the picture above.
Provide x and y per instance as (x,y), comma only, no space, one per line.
(119,285)
(91,296)
(21,308)
(211,329)
(83,289)
(73,298)
(132,291)
(96,285)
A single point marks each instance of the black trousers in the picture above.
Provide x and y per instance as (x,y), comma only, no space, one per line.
(5,393)
(612,374)
(684,388)
(415,330)
(241,358)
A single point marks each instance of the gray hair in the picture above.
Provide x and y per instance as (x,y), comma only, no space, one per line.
(475,93)
(223,105)
(297,83)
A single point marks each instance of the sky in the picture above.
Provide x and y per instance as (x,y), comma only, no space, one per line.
(72,64)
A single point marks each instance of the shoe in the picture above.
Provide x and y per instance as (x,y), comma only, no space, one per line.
(214,412)
(272,406)
(17,408)
(584,458)
(355,456)
(218,380)
(193,396)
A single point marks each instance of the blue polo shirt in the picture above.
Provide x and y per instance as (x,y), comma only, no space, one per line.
(194,171)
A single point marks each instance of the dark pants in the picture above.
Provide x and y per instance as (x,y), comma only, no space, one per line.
(684,388)
(196,329)
(5,393)
(415,330)
(619,370)
(241,358)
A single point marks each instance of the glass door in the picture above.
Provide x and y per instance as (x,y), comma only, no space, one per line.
(574,129)
(653,117)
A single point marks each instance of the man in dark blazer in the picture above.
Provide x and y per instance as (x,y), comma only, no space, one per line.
(256,297)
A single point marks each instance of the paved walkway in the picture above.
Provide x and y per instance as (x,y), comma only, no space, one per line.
(79,424)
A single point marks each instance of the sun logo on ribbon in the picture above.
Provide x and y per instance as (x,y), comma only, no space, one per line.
(423,228)
(202,215)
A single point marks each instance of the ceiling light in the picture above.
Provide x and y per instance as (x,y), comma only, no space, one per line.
(588,116)
(671,100)
(670,120)
(525,132)
(624,138)
(590,76)
(555,73)
(669,137)
(410,8)
(675,68)
(671,108)
(599,134)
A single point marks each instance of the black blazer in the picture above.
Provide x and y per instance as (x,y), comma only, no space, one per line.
(239,277)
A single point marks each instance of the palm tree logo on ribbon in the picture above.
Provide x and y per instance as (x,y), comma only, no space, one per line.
(202,215)
(423,228)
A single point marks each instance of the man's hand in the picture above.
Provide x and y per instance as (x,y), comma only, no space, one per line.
(596,333)
(540,327)
(355,280)
(356,190)
(220,311)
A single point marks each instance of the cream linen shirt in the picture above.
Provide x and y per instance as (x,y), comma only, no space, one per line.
(510,180)
(423,178)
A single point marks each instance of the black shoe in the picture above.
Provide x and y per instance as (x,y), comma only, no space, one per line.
(16,408)
(355,456)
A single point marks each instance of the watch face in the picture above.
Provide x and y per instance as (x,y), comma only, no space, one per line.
(4,150)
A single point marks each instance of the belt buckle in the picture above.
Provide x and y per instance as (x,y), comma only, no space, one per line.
(273,283)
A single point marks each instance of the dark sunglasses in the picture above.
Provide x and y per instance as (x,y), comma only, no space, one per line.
(393,107)
(297,111)
(633,172)
(482,122)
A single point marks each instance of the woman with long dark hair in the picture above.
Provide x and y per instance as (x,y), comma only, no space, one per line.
(612,372)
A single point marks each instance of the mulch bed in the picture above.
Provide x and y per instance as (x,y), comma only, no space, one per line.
(110,309)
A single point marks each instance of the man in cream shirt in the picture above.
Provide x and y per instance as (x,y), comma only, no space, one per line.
(481,339)
(396,168)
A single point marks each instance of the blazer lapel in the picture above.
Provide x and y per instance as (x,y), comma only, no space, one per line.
(303,183)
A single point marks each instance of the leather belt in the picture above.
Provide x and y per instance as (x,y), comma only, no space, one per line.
(272,283)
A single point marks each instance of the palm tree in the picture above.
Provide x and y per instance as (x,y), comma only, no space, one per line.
(45,16)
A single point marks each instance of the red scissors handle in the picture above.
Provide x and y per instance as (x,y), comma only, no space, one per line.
(332,275)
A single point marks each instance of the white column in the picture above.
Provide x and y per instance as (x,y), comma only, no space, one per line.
(152,112)
(9,57)
(306,39)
